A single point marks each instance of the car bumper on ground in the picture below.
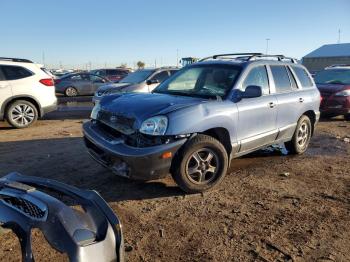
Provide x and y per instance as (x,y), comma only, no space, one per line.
(145,163)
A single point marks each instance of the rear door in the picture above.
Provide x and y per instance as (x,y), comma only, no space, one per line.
(289,99)
(257,116)
(82,83)
(5,90)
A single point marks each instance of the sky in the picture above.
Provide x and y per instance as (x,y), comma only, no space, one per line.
(75,33)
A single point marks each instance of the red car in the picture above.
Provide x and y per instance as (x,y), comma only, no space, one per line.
(334,86)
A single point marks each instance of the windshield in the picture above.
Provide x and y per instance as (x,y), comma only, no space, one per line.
(333,76)
(206,81)
(137,77)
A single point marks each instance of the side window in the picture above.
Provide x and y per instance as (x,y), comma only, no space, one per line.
(172,72)
(281,78)
(111,72)
(257,77)
(302,76)
(15,72)
(101,73)
(2,78)
(161,76)
(75,77)
(97,79)
(292,79)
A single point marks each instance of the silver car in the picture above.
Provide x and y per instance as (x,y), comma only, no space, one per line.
(79,84)
(143,80)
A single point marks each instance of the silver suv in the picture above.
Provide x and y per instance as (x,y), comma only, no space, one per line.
(193,124)
(143,80)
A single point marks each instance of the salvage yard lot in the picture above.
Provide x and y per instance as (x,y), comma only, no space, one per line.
(270,206)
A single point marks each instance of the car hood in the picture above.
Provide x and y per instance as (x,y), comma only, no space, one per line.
(113,86)
(330,88)
(140,106)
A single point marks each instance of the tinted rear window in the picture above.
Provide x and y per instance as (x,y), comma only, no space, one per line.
(281,78)
(302,76)
(15,72)
(333,76)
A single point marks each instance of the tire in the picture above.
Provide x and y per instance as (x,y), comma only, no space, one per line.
(21,114)
(193,171)
(71,91)
(301,137)
(347,117)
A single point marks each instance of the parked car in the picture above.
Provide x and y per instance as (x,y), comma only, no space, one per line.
(208,113)
(143,80)
(334,85)
(79,84)
(113,75)
(26,92)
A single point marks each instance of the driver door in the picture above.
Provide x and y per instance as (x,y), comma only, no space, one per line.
(96,82)
(257,116)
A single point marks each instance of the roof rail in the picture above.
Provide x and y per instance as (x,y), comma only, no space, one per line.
(229,55)
(248,57)
(15,59)
(279,57)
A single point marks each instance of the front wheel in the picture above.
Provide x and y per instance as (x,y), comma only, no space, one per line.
(200,165)
(301,137)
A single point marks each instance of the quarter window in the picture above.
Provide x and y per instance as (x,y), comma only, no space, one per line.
(257,77)
(302,76)
(281,78)
(15,72)
(161,76)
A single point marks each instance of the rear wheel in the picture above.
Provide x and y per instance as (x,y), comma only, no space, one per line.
(21,114)
(71,91)
(201,165)
(301,137)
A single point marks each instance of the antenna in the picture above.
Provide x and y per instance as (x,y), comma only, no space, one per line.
(339,32)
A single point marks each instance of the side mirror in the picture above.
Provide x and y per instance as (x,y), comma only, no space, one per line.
(251,92)
(152,81)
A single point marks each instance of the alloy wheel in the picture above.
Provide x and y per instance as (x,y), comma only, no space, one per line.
(303,134)
(202,166)
(22,115)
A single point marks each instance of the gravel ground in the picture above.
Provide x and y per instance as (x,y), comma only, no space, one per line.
(270,206)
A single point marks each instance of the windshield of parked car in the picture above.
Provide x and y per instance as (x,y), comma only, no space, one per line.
(138,76)
(206,81)
(333,76)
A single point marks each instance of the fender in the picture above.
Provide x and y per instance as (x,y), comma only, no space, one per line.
(17,97)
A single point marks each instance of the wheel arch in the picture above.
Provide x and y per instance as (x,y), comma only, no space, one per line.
(222,135)
(12,99)
(312,116)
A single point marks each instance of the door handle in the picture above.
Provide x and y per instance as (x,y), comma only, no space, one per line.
(301,99)
(272,104)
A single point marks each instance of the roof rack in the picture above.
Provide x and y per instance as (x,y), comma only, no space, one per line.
(249,57)
(15,59)
(229,56)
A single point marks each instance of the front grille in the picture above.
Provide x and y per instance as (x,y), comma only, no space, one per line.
(25,206)
(114,118)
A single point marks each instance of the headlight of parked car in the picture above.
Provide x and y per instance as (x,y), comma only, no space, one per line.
(343,93)
(155,126)
(95,111)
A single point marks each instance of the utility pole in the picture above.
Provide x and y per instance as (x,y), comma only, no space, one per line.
(43,57)
(177,58)
(155,63)
(339,32)
(267,45)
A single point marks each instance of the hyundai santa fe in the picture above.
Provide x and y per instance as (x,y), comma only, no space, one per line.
(194,123)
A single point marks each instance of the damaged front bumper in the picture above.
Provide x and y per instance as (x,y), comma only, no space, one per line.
(92,233)
(140,163)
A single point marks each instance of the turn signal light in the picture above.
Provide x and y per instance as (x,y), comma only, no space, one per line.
(167,155)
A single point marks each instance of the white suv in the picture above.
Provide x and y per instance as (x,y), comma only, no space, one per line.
(27,92)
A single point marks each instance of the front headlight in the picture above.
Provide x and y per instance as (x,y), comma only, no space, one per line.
(155,126)
(95,111)
(343,93)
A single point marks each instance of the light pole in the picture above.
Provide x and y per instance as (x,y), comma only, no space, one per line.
(177,58)
(267,45)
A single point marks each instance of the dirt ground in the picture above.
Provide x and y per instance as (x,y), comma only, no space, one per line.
(270,206)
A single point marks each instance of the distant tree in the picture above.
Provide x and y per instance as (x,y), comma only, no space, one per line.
(140,65)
